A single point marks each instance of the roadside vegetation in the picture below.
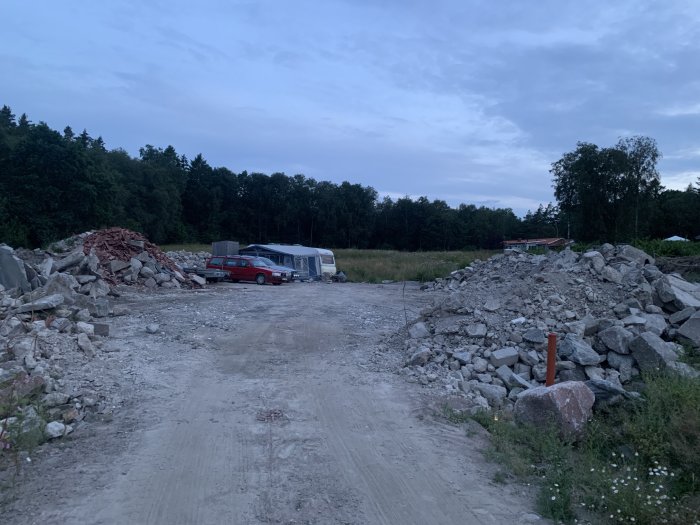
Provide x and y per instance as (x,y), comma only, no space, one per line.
(375,266)
(638,462)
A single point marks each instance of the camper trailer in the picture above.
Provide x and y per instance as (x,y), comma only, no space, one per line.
(328,268)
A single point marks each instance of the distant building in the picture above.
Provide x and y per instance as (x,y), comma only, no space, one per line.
(526,244)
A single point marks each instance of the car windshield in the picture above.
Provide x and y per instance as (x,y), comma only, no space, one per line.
(267,261)
(258,263)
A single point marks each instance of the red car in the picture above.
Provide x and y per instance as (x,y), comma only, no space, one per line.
(246,268)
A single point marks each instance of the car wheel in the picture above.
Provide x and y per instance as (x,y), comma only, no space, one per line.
(260,279)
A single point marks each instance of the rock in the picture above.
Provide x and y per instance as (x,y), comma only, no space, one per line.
(11,327)
(120,310)
(29,362)
(162,278)
(154,327)
(12,272)
(678,292)
(616,339)
(494,394)
(100,308)
(201,281)
(623,364)
(655,323)
(85,328)
(146,272)
(480,365)
(568,405)
(510,378)
(504,356)
(634,320)
(608,273)
(101,329)
(62,324)
(85,345)
(418,331)
(136,265)
(606,392)
(534,336)
(55,399)
(577,350)
(635,255)
(20,348)
(31,427)
(419,358)
(64,284)
(492,304)
(73,259)
(682,315)
(56,429)
(651,352)
(84,279)
(690,330)
(476,330)
(463,357)
(45,303)
(595,260)
(116,265)
(100,288)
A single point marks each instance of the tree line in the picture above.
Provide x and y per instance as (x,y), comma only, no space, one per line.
(53,185)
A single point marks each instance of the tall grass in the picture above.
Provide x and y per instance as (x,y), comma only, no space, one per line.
(375,266)
(637,463)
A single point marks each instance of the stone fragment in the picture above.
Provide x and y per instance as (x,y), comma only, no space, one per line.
(55,399)
(634,255)
(12,271)
(623,364)
(606,392)
(476,330)
(682,315)
(162,277)
(45,303)
(72,259)
(655,323)
(617,339)
(84,279)
(201,281)
(608,273)
(678,292)
(56,429)
(577,350)
(480,365)
(85,345)
(101,329)
(463,357)
(634,320)
(146,272)
(100,288)
(651,352)
(690,330)
(504,356)
(136,265)
(494,394)
(116,265)
(568,405)
(418,331)
(100,308)
(510,378)
(419,358)
(534,336)
(154,327)
(492,304)
(85,328)
(62,324)
(11,327)
(595,260)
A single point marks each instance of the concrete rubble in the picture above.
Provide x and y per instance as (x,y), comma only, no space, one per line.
(615,315)
(52,306)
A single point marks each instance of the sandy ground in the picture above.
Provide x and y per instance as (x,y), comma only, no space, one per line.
(261,404)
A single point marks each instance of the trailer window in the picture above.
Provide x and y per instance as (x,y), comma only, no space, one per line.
(327,259)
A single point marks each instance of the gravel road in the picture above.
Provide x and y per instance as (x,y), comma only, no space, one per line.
(261,404)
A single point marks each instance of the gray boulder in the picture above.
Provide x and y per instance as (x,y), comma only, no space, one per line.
(116,265)
(494,394)
(635,255)
(690,330)
(608,273)
(655,323)
(616,339)
(419,358)
(510,378)
(567,405)
(12,272)
(64,284)
(476,330)
(85,345)
(677,293)
(682,315)
(623,364)
(595,260)
(579,351)
(651,352)
(72,259)
(534,336)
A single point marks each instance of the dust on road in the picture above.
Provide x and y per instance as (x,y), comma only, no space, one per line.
(260,404)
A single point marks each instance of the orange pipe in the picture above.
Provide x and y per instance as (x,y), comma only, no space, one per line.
(551,358)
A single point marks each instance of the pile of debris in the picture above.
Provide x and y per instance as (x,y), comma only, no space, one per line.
(49,301)
(614,312)
(194,260)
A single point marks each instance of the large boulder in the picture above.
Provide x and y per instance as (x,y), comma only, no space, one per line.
(504,356)
(632,254)
(72,259)
(690,330)
(64,284)
(494,394)
(652,353)
(45,303)
(567,405)
(595,260)
(419,331)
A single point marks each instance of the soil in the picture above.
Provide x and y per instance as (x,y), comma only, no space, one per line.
(261,404)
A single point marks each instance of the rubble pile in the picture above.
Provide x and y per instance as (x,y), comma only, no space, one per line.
(49,304)
(614,312)
(188,260)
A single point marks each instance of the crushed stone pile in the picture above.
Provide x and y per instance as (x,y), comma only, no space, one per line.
(614,312)
(189,260)
(52,304)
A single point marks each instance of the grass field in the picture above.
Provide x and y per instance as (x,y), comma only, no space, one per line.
(374,266)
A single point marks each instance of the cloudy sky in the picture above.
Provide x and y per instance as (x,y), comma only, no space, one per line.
(465,101)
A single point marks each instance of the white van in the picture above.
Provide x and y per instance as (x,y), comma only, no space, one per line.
(327,262)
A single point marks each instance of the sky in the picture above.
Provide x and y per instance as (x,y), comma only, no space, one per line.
(466,101)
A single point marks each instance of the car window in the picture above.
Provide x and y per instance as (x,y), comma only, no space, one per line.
(231,263)
(216,261)
(259,264)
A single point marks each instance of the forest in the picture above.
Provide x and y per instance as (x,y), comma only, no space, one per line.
(54,184)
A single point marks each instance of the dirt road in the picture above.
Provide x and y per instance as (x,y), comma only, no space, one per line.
(260,404)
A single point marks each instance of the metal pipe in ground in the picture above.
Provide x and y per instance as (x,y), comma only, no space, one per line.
(551,358)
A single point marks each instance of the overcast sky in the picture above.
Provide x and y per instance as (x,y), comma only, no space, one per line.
(465,101)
